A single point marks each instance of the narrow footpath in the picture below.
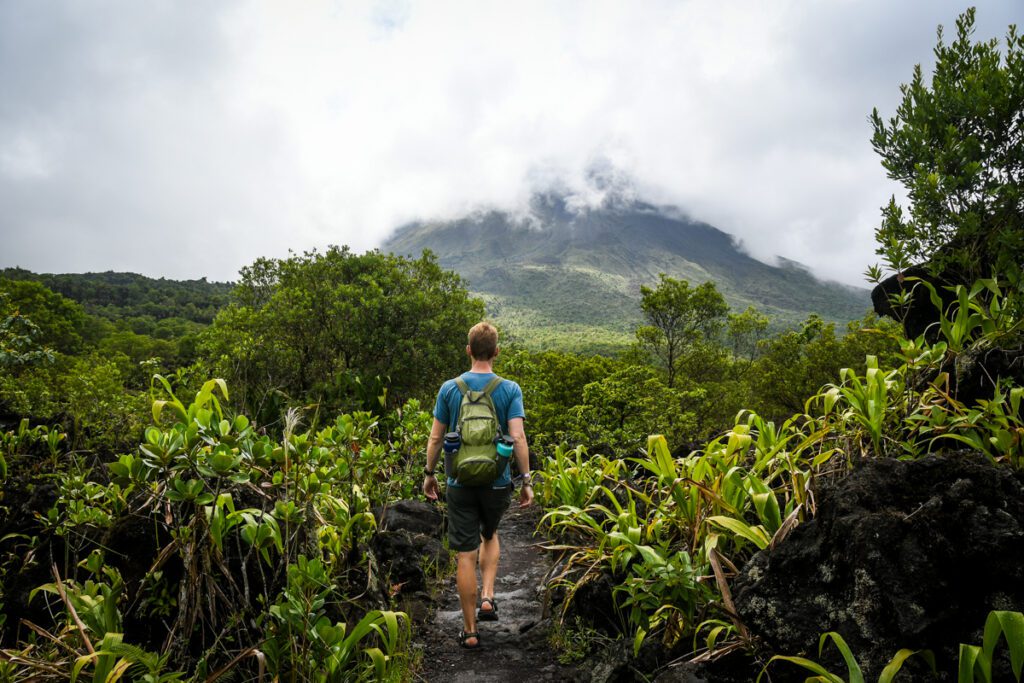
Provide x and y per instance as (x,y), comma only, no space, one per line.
(514,648)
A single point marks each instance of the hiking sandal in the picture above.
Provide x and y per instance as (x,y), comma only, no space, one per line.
(464,636)
(490,614)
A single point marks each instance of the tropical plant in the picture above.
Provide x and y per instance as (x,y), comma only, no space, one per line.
(257,526)
(303,642)
(975,662)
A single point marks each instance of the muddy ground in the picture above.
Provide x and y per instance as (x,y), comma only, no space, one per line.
(514,648)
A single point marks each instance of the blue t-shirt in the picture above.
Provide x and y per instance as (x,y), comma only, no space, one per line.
(508,404)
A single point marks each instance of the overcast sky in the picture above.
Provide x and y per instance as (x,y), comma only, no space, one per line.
(186,139)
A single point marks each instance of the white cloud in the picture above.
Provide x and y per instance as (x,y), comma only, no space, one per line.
(222,135)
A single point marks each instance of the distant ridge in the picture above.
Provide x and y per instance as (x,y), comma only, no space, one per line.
(116,295)
(562,277)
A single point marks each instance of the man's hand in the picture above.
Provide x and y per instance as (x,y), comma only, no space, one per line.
(431,488)
(526,496)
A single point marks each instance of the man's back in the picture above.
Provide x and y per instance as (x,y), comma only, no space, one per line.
(508,404)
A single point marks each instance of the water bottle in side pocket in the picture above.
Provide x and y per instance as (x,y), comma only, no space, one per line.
(452,444)
(505,448)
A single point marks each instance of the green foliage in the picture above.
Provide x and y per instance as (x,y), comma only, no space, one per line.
(310,326)
(795,365)
(553,383)
(655,526)
(95,600)
(24,442)
(61,324)
(61,365)
(854,673)
(83,313)
(19,340)
(302,640)
(84,394)
(618,412)
(685,335)
(573,477)
(612,405)
(745,331)
(955,144)
(151,307)
(975,663)
(678,317)
(574,642)
(138,355)
(271,537)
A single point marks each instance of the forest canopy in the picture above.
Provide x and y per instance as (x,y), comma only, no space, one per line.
(327,328)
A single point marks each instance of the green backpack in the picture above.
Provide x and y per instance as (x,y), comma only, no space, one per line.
(476,463)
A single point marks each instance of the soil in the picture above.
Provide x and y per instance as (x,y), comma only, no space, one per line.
(514,648)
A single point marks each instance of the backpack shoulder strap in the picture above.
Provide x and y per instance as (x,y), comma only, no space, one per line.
(492,385)
(461,384)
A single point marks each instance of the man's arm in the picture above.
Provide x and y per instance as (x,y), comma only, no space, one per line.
(430,487)
(434,444)
(521,451)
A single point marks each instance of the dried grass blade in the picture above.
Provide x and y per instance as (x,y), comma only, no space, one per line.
(71,609)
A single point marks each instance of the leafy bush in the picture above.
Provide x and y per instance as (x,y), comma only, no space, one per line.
(260,542)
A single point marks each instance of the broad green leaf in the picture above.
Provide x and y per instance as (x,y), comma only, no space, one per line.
(853,668)
(812,666)
(1011,626)
(638,641)
(896,663)
(969,662)
(651,556)
(756,534)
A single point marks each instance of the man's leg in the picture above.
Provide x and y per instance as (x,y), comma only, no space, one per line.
(490,551)
(465,581)
(464,537)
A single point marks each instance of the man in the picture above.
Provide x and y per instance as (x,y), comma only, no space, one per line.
(474,512)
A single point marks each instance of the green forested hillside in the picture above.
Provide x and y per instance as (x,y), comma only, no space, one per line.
(572,279)
(119,296)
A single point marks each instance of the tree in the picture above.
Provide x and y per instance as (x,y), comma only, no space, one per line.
(321,327)
(957,146)
(19,345)
(61,323)
(745,332)
(678,318)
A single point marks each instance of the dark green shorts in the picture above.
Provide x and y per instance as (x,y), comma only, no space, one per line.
(474,511)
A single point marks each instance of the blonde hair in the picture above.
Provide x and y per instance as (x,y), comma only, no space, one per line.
(483,341)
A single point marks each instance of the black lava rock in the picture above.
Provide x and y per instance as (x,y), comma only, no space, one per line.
(416,516)
(901,554)
(407,544)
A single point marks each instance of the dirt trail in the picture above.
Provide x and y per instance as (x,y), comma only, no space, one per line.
(514,648)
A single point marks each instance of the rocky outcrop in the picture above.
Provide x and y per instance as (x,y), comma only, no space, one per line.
(976,370)
(901,554)
(414,516)
(919,314)
(408,551)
